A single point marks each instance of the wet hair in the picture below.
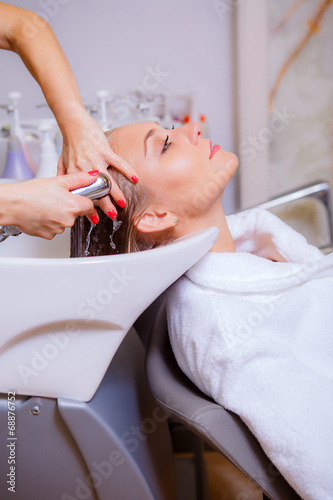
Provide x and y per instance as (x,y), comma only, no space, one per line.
(127,238)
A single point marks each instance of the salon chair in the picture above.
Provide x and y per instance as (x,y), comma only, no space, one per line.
(219,428)
(77,419)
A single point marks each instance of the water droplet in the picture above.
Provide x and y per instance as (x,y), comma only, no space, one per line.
(86,250)
(115,227)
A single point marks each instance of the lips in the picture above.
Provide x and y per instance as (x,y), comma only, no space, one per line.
(213,149)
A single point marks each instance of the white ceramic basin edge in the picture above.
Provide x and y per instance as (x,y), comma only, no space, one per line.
(63,319)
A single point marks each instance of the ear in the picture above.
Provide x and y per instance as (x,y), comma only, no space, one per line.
(154,220)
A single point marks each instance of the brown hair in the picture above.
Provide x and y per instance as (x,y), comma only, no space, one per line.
(127,238)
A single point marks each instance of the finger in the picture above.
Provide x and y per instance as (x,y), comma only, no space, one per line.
(117,195)
(48,233)
(108,207)
(86,207)
(79,179)
(106,203)
(93,217)
(121,165)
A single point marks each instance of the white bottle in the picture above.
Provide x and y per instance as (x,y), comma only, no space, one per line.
(17,131)
(103,97)
(48,157)
(16,124)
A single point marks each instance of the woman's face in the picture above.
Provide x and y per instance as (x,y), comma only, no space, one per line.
(182,169)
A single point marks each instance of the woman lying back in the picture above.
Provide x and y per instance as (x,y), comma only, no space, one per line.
(251,323)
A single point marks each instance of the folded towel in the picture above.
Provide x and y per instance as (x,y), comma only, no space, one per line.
(257,336)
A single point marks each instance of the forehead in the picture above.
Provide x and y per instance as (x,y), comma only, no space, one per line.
(128,141)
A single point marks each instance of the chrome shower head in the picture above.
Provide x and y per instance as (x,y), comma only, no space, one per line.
(98,189)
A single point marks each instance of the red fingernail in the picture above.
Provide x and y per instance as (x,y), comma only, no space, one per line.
(121,203)
(94,219)
(93,172)
(112,214)
(134,178)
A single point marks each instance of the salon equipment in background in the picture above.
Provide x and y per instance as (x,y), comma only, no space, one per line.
(57,136)
(101,187)
(169,107)
(165,106)
(16,165)
(15,129)
(204,125)
(103,98)
(48,157)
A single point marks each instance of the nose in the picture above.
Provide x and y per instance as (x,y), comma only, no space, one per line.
(193,132)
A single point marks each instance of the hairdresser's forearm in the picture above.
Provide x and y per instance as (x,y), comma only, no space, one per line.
(33,39)
(8,200)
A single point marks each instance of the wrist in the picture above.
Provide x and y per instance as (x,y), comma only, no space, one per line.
(9,198)
(69,115)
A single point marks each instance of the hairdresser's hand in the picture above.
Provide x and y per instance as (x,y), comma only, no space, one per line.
(44,207)
(85,147)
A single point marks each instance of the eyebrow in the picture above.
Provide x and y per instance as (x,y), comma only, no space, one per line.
(149,134)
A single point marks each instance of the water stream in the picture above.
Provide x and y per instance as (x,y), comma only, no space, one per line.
(116,226)
(86,250)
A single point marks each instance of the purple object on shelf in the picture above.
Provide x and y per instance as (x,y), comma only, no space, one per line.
(16,165)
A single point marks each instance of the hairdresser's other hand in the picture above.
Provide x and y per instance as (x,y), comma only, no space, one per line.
(85,148)
(44,207)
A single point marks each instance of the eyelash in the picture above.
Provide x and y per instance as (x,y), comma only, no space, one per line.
(166,144)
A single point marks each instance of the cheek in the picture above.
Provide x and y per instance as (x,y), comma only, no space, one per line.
(173,173)
(186,170)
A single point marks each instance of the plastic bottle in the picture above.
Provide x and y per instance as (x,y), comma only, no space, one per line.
(16,166)
(48,157)
(17,129)
(103,97)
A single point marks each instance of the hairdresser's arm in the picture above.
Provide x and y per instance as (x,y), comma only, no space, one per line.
(45,207)
(85,146)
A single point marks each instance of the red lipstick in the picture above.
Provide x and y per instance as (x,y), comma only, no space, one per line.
(214,150)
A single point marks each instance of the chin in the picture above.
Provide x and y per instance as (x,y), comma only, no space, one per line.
(229,163)
(234,161)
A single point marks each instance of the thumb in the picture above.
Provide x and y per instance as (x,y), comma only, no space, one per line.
(79,179)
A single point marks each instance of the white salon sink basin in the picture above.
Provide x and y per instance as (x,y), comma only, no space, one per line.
(62,319)
(24,245)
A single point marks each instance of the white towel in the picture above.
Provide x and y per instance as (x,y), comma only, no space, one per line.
(257,336)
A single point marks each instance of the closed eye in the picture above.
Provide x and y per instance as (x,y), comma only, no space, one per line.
(166,145)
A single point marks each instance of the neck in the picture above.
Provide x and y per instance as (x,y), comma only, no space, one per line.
(215,217)
(224,243)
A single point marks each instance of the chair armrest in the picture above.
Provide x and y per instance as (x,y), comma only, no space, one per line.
(320,190)
(327,250)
